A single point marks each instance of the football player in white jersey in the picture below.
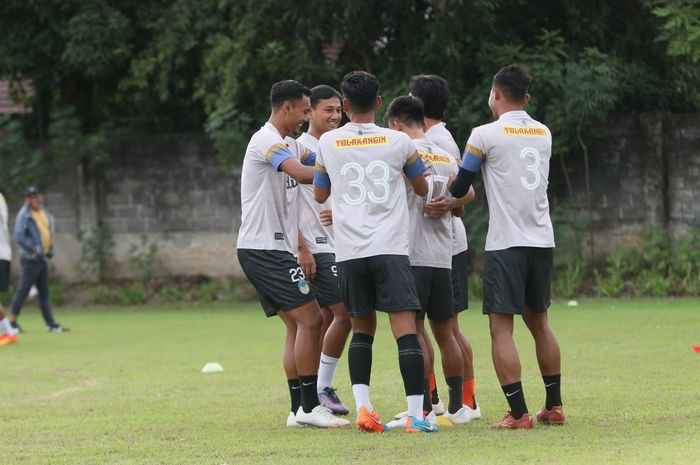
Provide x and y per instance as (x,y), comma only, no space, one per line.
(267,239)
(316,254)
(513,154)
(360,166)
(434,92)
(431,257)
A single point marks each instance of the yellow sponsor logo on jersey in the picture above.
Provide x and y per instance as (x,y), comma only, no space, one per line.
(436,158)
(524,131)
(360,141)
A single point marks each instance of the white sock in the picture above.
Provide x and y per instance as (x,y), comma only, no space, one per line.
(415,406)
(326,371)
(361,393)
(7,327)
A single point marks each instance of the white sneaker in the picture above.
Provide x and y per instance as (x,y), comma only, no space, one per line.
(432,418)
(398,422)
(461,416)
(438,408)
(475,413)
(320,417)
(401,415)
(292,421)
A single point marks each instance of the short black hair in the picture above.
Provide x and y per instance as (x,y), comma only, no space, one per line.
(406,109)
(290,89)
(360,89)
(433,91)
(514,81)
(323,92)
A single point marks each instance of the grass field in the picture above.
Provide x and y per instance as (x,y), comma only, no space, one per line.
(124,387)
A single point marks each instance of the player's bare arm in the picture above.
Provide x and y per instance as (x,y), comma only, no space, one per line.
(305,258)
(297,171)
(326,217)
(444,204)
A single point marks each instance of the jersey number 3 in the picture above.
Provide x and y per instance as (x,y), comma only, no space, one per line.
(532,155)
(377,172)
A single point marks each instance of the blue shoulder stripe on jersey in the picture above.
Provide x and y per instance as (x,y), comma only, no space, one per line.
(309,158)
(414,166)
(471,162)
(277,154)
(321,179)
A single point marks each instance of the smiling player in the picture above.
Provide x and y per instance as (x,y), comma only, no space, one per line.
(267,238)
(316,254)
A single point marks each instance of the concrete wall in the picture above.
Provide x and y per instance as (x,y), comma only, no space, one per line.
(645,170)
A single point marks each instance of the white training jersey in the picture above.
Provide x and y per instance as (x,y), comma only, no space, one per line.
(514,154)
(268,219)
(431,238)
(440,136)
(318,237)
(362,164)
(5,246)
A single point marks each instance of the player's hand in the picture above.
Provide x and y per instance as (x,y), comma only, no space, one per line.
(326,217)
(307,263)
(439,206)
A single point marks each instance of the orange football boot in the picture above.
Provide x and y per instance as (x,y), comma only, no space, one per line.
(553,416)
(369,421)
(508,422)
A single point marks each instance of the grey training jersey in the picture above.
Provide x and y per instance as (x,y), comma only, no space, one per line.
(318,237)
(515,153)
(431,238)
(268,221)
(5,246)
(362,164)
(440,136)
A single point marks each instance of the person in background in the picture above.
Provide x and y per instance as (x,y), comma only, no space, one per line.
(34,235)
(7,332)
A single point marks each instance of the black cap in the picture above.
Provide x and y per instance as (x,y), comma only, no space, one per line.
(31,190)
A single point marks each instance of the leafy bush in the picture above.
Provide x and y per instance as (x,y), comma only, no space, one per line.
(206,293)
(568,283)
(142,256)
(171,294)
(134,294)
(96,249)
(610,282)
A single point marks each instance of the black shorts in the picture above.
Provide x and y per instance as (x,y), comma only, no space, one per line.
(434,286)
(517,277)
(326,285)
(4,276)
(382,282)
(460,281)
(277,277)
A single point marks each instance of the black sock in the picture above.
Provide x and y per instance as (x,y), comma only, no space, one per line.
(427,406)
(295,394)
(552,385)
(360,358)
(516,399)
(411,364)
(434,397)
(454,385)
(309,395)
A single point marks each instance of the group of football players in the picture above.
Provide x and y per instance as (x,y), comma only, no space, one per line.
(344,221)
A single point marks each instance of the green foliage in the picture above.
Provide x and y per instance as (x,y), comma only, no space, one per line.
(142,256)
(133,294)
(206,292)
(171,294)
(57,294)
(476,287)
(610,282)
(20,164)
(96,248)
(69,143)
(568,283)
(680,28)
